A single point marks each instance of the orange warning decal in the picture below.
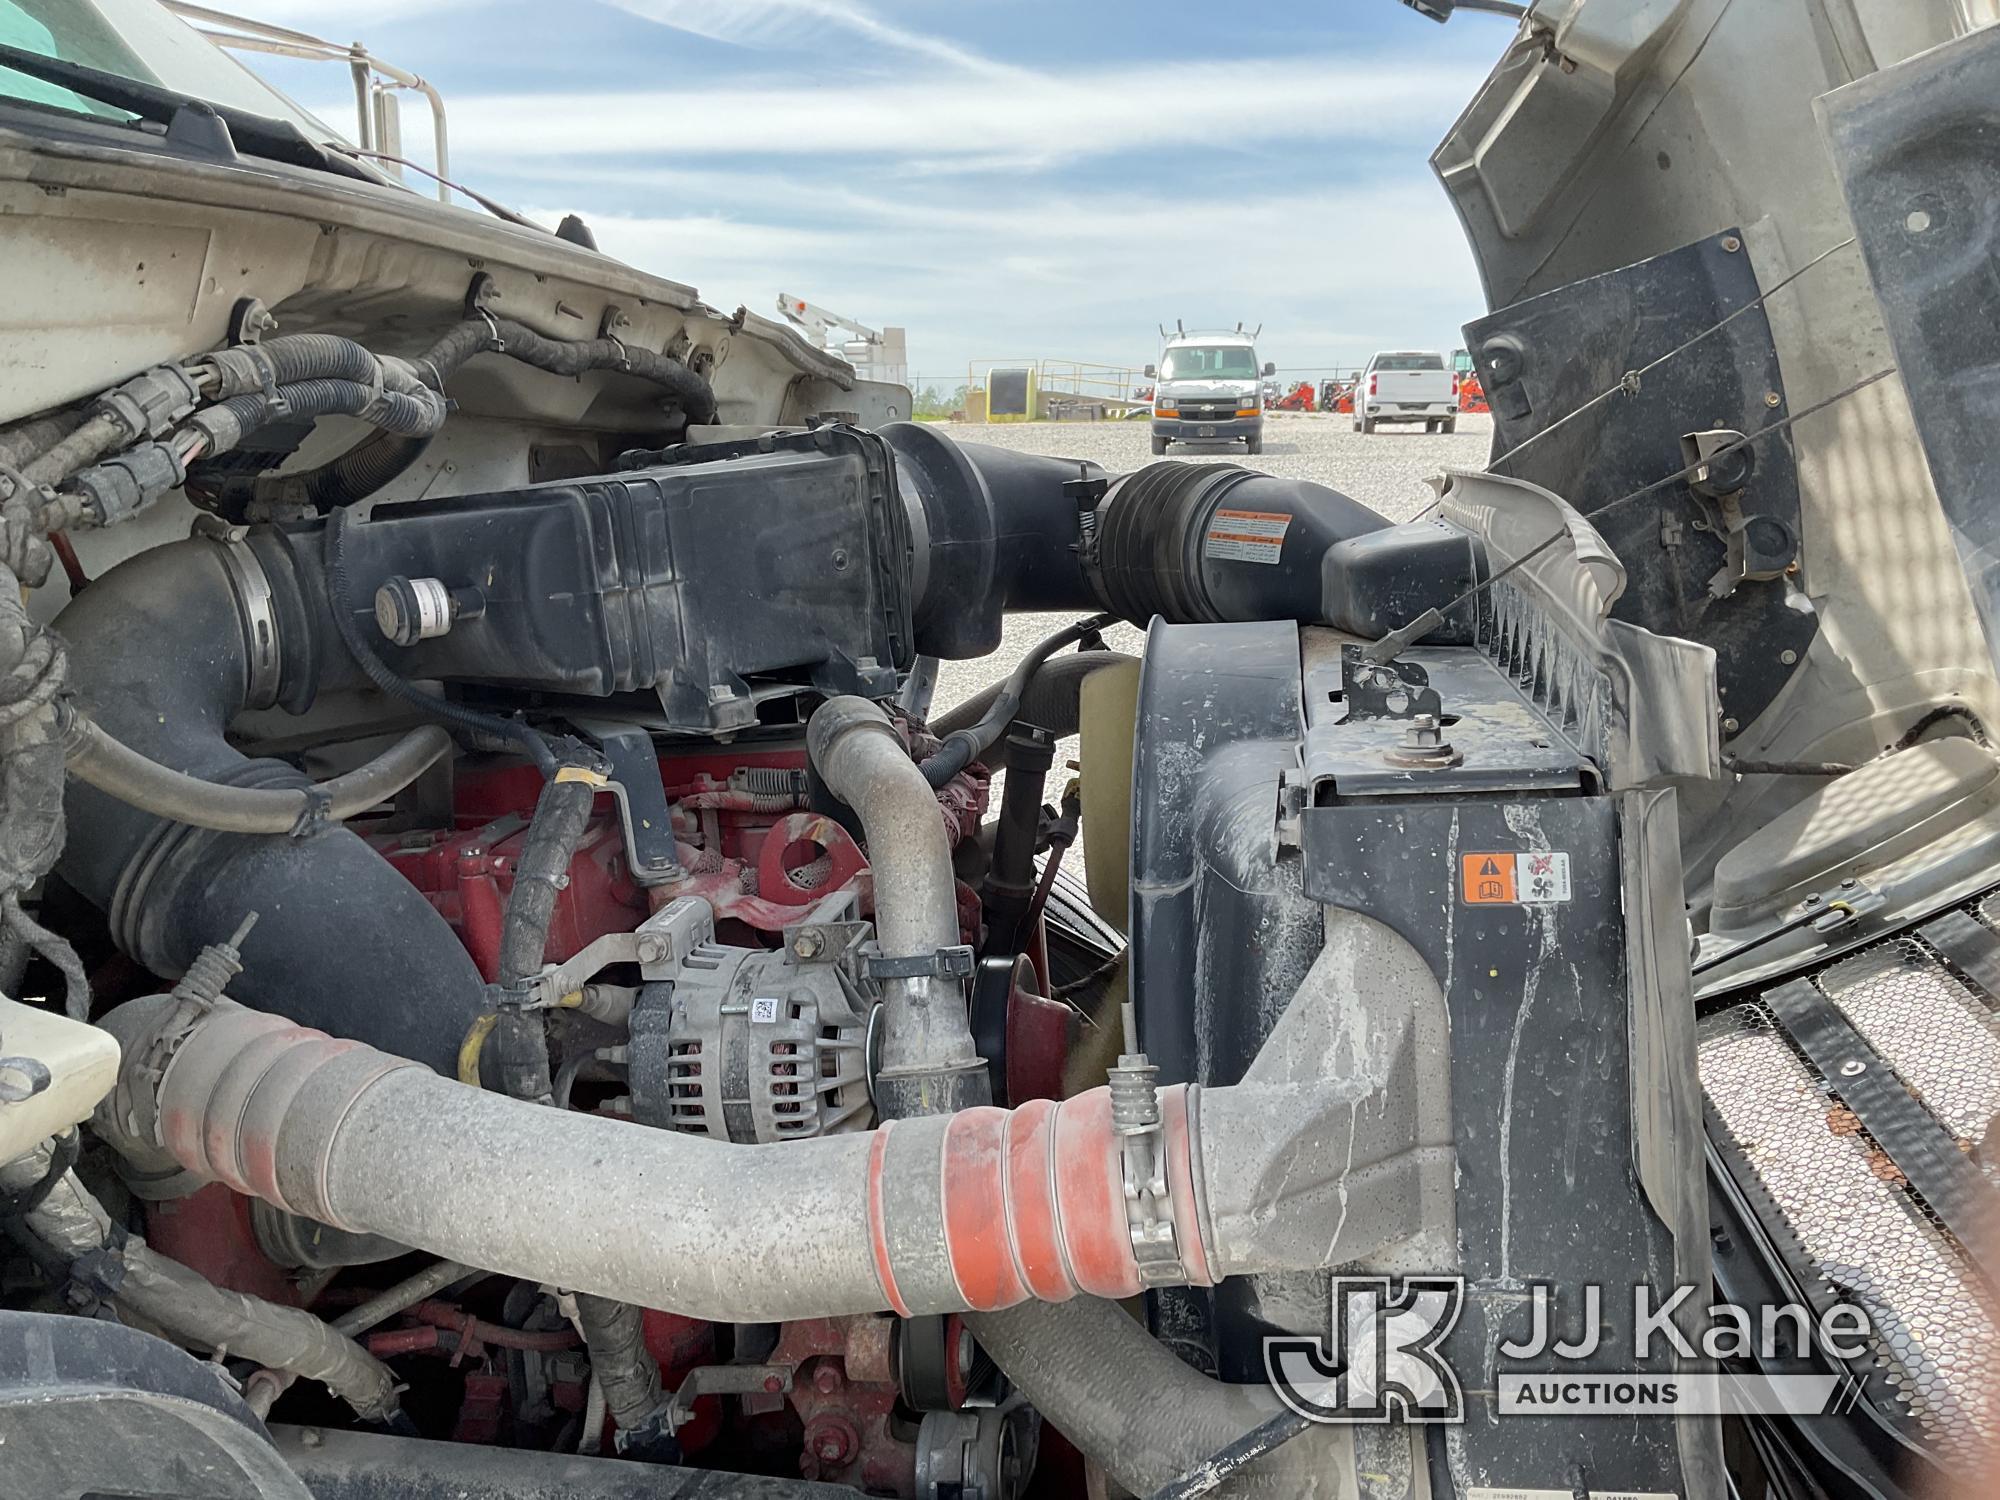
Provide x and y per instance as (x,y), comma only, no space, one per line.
(1489,879)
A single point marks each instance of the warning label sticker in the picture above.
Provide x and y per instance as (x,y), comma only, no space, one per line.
(1253,536)
(1535,877)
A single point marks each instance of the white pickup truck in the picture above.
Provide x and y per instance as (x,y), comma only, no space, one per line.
(1407,386)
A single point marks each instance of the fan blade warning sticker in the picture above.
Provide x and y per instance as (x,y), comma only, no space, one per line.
(1253,536)
(1534,878)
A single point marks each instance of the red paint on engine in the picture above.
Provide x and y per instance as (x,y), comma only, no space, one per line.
(760,861)
(680,1345)
(209,1231)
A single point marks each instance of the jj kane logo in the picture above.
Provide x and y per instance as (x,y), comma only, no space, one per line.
(1383,1357)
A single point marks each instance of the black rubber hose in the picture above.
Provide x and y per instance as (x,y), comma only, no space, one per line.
(392,411)
(227,423)
(1975,727)
(160,655)
(520,1037)
(319,356)
(568,357)
(95,757)
(963,746)
(376,462)
(629,1376)
(1053,698)
(532,742)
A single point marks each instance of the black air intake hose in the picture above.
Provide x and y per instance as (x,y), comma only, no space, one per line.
(163,654)
(1207,543)
(998,532)
(995,533)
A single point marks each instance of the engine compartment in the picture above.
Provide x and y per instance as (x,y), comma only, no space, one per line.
(534,995)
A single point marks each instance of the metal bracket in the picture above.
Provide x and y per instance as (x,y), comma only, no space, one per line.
(659,945)
(1386,690)
(946,963)
(480,291)
(829,932)
(1756,548)
(725,1380)
(645,814)
(249,321)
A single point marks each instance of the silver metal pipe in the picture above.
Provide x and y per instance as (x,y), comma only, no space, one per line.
(929,1063)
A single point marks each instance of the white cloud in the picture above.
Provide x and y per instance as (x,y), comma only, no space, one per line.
(1048,273)
(795,24)
(1042,118)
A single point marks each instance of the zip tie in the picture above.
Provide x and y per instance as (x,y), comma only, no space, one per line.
(314,814)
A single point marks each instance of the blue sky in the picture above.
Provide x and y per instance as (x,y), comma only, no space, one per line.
(1005,178)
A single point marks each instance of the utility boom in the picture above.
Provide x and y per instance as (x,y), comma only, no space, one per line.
(876,354)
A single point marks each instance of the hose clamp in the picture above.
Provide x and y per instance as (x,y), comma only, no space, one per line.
(1149,1205)
(946,963)
(256,603)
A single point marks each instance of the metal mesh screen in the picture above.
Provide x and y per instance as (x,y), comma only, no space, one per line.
(1845,1203)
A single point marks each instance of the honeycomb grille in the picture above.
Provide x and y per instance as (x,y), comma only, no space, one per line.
(1846,1204)
(1938,1036)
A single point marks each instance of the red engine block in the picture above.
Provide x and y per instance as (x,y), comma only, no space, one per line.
(760,859)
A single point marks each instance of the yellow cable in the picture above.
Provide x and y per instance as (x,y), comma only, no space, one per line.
(472,1046)
(583,774)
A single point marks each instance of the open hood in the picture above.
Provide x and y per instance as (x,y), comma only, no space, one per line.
(1636,172)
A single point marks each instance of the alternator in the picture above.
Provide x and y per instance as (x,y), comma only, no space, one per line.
(755,1044)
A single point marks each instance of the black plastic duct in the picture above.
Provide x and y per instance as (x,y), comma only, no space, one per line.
(162,652)
(995,532)
(998,532)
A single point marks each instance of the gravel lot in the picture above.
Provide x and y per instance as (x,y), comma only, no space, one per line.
(1386,471)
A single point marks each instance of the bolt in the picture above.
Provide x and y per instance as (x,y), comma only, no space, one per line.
(826,1380)
(1788,657)
(652,949)
(1729,725)
(773,1385)
(1854,1067)
(840,559)
(1731,244)
(829,1449)
(1773,399)
(808,945)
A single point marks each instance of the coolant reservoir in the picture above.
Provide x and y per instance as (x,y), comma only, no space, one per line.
(52,1073)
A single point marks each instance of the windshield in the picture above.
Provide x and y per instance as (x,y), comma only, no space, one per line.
(1209,362)
(135,39)
(1409,362)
